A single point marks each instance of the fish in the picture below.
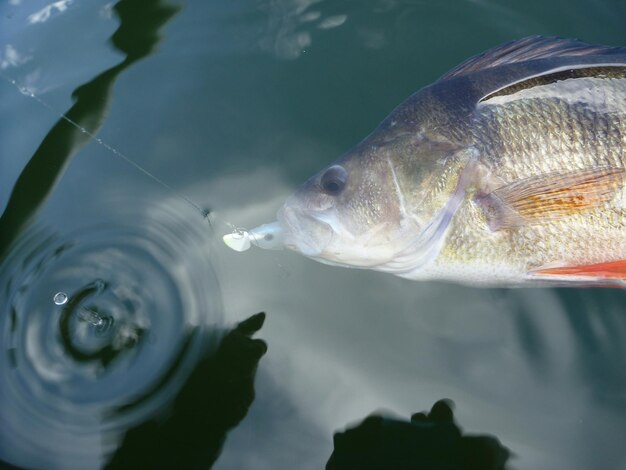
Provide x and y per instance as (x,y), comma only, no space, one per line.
(508,171)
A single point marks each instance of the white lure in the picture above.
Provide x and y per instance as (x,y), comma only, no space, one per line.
(267,236)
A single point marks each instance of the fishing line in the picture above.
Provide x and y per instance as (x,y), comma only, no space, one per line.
(236,231)
(204,212)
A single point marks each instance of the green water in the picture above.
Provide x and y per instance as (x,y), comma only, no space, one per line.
(233,104)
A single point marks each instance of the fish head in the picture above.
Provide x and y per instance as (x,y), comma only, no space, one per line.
(365,209)
(344,214)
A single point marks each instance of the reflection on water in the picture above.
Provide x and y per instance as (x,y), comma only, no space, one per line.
(430,441)
(216,396)
(292,25)
(133,327)
(219,113)
(136,37)
(103,318)
(44,14)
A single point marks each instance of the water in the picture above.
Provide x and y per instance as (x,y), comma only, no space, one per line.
(233,104)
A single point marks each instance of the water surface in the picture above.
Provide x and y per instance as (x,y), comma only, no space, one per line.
(233,104)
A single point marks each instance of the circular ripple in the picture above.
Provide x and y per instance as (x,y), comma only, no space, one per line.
(98,333)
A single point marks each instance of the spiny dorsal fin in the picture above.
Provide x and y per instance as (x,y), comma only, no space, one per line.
(529,48)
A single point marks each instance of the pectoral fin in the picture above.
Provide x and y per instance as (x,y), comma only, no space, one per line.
(547,197)
(600,271)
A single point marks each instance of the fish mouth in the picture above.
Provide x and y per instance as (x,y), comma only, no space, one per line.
(304,232)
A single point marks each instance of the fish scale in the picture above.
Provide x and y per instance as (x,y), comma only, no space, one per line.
(553,136)
(567,137)
(508,171)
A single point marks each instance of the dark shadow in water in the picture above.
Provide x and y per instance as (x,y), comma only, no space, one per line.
(428,441)
(598,319)
(137,36)
(597,325)
(531,338)
(191,432)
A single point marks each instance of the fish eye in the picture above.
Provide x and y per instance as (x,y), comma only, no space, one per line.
(334,180)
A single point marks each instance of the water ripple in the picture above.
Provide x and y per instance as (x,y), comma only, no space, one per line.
(75,370)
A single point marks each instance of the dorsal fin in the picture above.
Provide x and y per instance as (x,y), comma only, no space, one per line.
(529,48)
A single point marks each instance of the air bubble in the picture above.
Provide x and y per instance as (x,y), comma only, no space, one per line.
(60,298)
